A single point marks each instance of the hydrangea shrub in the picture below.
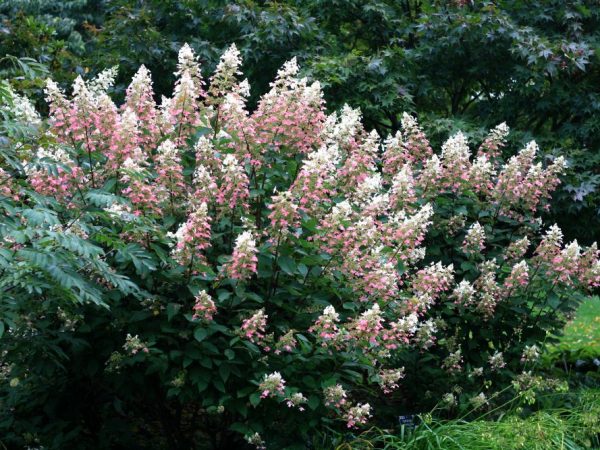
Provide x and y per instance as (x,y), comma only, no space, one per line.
(197,272)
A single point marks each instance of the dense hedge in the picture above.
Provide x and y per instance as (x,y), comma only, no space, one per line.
(194,273)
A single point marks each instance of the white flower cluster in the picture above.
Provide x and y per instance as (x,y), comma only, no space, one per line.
(500,132)
(409,124)
(287,74)
(89,96)
(464,293)
(348,126)
(187,63)
(53,153)
(54,94)
(456,149)
(325,159)
(167,152)
(245,243)
(22,109)
(370,186)
(136,163)
(482,168)
(497,361)
(231,167)
(224,79)
(128,122)
(403,183)
(408,324)
(120,211)
(330,315)
(103,81)
(140,84)
(230,62)
(475,238)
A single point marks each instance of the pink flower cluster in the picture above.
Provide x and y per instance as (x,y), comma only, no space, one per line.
(368,326)
(522,185)
(7,188)
(254,328)
(204,307)
(286,343)
(244,260)
(284,214)
(388,379)
(233,191)
(273,385)
(474,242)
(192,237)
(494,142)
(432,280)
(290,115)
(335,396)
(519,276)
(181,113)
(358,415)
(296,400)
(169,172)
(487,288)
(410,146)
(325,327)
(62,184)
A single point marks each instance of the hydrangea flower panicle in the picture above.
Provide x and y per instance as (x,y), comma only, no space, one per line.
(273,385)
(254,327)
(335,396)
(204,307)
(358,415)
(474,242)
(244,260)
(388,379)
(494,143)
(192,238)
(233,190)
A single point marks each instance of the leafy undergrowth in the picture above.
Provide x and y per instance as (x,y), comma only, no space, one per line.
(574,426)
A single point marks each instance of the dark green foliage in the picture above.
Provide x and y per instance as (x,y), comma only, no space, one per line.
(458,64)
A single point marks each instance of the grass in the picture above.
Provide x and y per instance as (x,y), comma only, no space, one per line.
(574,428)
(581,338)
(584,330)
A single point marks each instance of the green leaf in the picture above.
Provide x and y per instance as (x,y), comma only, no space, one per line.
(141,259)
(302,269)
(287,264)
(172,309)
(255,399)
(206,362)
(241,428)
(224,371)
(309,381)
(202,385)
(350,305)
(313,402)
(200,334)
(101,198)
(223,295)
(40,216)
(219,385)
